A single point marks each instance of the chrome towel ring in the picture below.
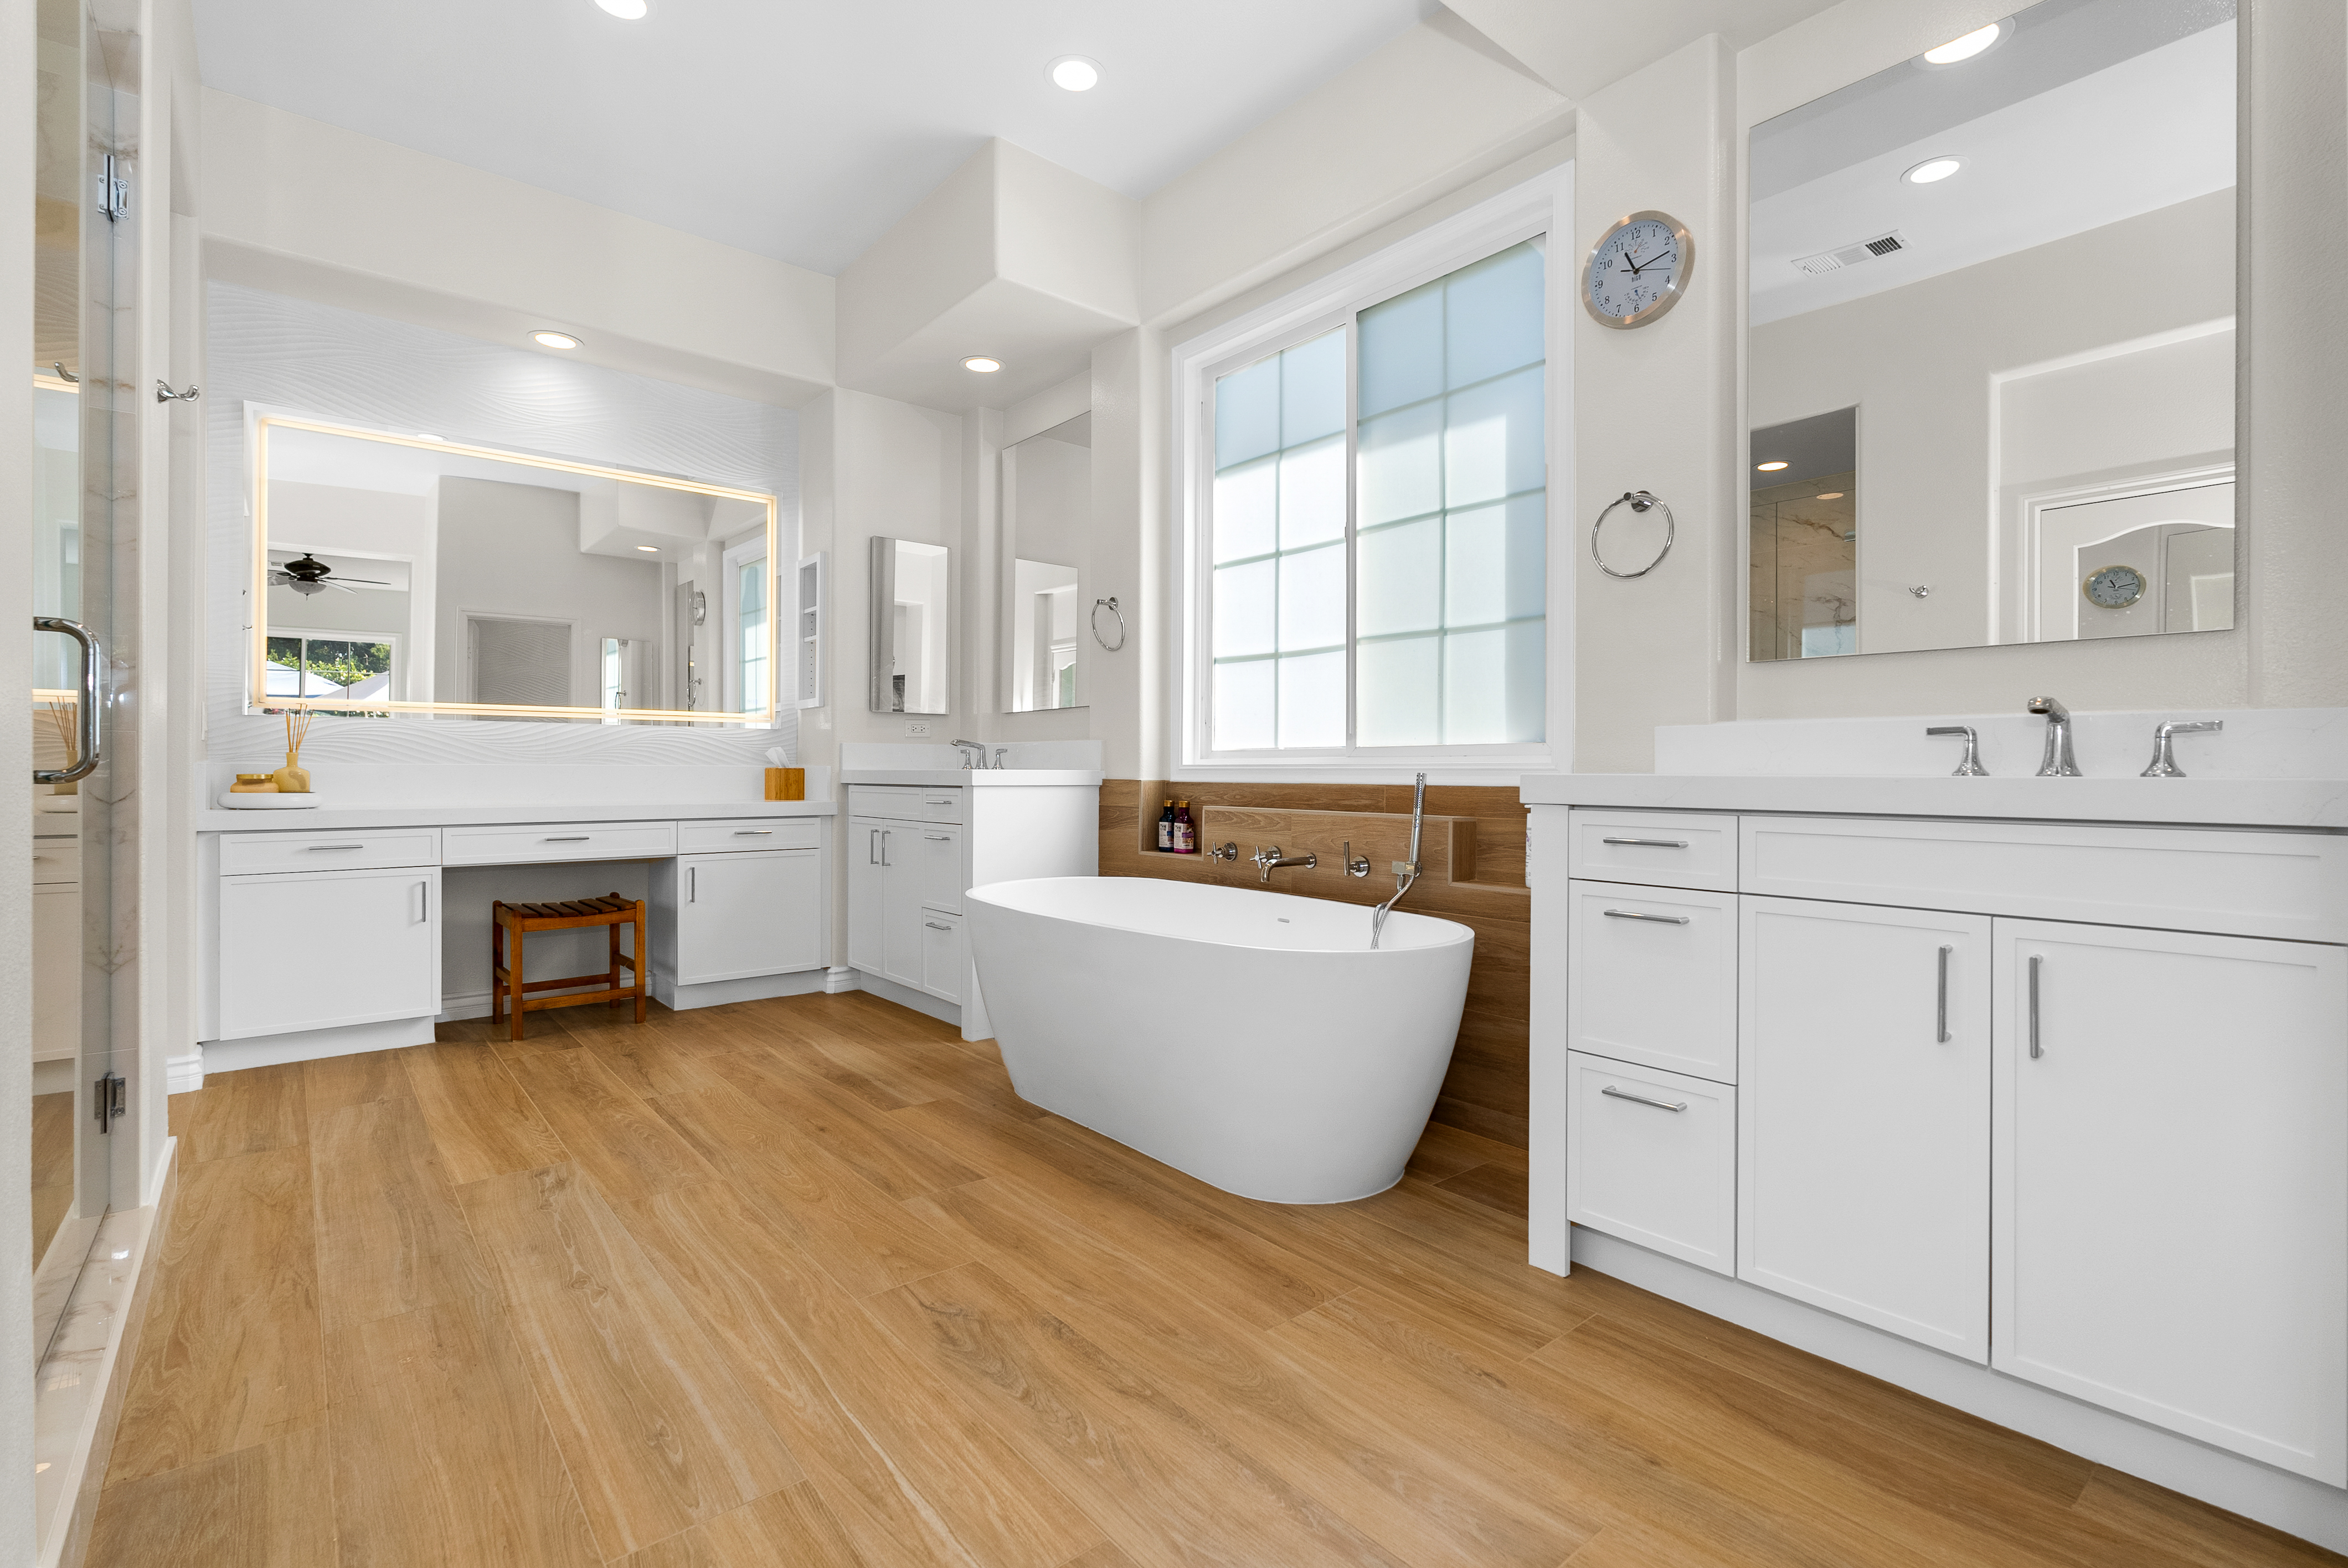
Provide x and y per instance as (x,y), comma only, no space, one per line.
(1638,501)
(1113,610)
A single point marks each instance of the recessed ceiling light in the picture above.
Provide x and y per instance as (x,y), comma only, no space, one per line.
(1769,467)
(1932,171)
(1076,73)
(650,550)
(554,339)
(1960,49)
(625,10)
(1832,495)
(981,363)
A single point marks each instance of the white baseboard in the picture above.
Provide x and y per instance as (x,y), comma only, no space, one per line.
(749,989)
(887,989)
(184,1074)
(2290,1502)
(840,978)
(313,1044)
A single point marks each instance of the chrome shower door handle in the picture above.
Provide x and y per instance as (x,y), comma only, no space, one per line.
(1941,1026)
(89,734)
(2035,961)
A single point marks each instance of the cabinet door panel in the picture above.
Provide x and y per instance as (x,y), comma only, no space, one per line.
(901,903)
(1862,1147)
(743,915)
(1652,1157)
(942,963)
(2172,1182)
(308,950)
(867,896)
(934,854)
(1657,973)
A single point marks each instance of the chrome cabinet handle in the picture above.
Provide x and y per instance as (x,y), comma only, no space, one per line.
(316,847)
(948,801)
(1658,1104)
(754,833)
(933,925)
(692,884)
(569,838)
(1634,915)
(1942,1025)
(89,737)
(884,844)
(2035,961)
(872,846)
(1650,843)
(423,903)
(939,837)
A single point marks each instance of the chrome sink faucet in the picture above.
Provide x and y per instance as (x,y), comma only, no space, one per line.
(1969,766)
(1269,860)
(2164,761)
(1406,872)
(2058,762)
(975,757)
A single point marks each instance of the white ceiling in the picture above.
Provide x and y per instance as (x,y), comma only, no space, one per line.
(801,130)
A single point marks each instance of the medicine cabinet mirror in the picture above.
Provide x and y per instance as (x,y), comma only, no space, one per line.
(912,643)
(406,574)
(1047,487)
(1992,345)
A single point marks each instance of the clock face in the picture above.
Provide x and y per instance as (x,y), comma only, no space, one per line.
(2115,587)
(1636,272)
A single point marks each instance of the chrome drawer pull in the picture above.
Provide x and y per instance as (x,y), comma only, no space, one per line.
(2035,961)
(316,847)
(1658,1104)
(939,837)
(1634,915)
(754,833)
(933,925)
(1943,1014)
(1650,843)
(947,802)
(569,838)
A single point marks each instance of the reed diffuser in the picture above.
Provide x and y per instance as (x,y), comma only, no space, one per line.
(61,714)
(294,778)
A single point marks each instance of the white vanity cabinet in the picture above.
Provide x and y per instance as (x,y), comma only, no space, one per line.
(315,949)
(2066,1102)
(892,879)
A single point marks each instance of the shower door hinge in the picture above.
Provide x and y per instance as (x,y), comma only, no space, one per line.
(112,1101)
(113,188)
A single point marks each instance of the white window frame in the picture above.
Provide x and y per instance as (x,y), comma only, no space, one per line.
(730,565)
(1542,205)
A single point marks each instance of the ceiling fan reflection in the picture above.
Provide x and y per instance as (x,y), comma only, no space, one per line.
(306,575)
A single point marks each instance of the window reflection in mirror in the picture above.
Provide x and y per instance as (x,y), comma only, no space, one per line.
(403,574)
(1046,519)
(2010,270)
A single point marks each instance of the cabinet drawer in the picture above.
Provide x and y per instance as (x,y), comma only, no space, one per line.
(1655,978)
(748,833)
(942,964)
(246,853)
(1665,849)
(2252,884)
(907,803)
(56,860)
(1652,1157)
(543,842)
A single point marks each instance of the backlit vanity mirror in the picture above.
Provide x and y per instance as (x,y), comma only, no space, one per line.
(414,575)
(1991,350)
(1047,482)
(912,643)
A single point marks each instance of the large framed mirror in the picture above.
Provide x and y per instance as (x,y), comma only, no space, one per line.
(1048,488)
(912,626)
(1990,351)
(410,574)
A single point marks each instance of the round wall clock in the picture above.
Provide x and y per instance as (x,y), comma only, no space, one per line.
(2114,587)
(1638,269)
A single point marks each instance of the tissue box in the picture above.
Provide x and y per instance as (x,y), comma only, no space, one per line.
(787,783)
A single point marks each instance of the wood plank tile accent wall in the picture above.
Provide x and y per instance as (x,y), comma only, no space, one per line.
(1473,852)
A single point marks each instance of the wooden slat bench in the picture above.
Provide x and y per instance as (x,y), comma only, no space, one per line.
(506,984)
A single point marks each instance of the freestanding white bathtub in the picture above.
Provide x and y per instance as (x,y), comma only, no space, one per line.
(1252,1040)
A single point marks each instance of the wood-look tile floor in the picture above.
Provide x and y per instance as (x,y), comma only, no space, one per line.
(804,1283)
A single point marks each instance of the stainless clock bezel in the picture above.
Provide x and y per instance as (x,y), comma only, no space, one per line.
(2087,586)
(1682,240)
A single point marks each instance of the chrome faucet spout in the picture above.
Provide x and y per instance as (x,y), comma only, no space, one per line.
(973,754)
(1269,860)
(1406,872)
(2058,761)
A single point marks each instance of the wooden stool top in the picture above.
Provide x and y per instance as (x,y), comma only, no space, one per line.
(609,910)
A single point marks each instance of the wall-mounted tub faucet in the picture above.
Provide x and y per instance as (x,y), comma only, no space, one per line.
(2058,762)
(1269,860)
(2164,761)
(1405,871)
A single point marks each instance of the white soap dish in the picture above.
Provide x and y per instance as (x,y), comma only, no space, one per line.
(271,802)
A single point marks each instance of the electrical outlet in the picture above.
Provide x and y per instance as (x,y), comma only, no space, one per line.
(915,727)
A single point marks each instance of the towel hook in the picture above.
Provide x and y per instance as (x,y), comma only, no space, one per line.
(1638,501)
(1113,610)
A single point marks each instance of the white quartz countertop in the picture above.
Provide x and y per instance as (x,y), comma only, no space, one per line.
(2305,803)
(338,819)
(981,778)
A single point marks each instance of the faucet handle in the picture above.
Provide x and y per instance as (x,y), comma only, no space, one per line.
(2164,759)
(1352,867)
(1969,767)
(1224,851)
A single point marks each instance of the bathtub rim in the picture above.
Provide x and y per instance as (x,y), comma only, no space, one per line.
(1460,933)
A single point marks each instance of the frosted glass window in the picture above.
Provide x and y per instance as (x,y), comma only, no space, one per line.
(1380,581)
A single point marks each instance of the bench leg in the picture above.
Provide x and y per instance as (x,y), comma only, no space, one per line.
(611,974)
(637,969)
(497,962)
(514,980)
